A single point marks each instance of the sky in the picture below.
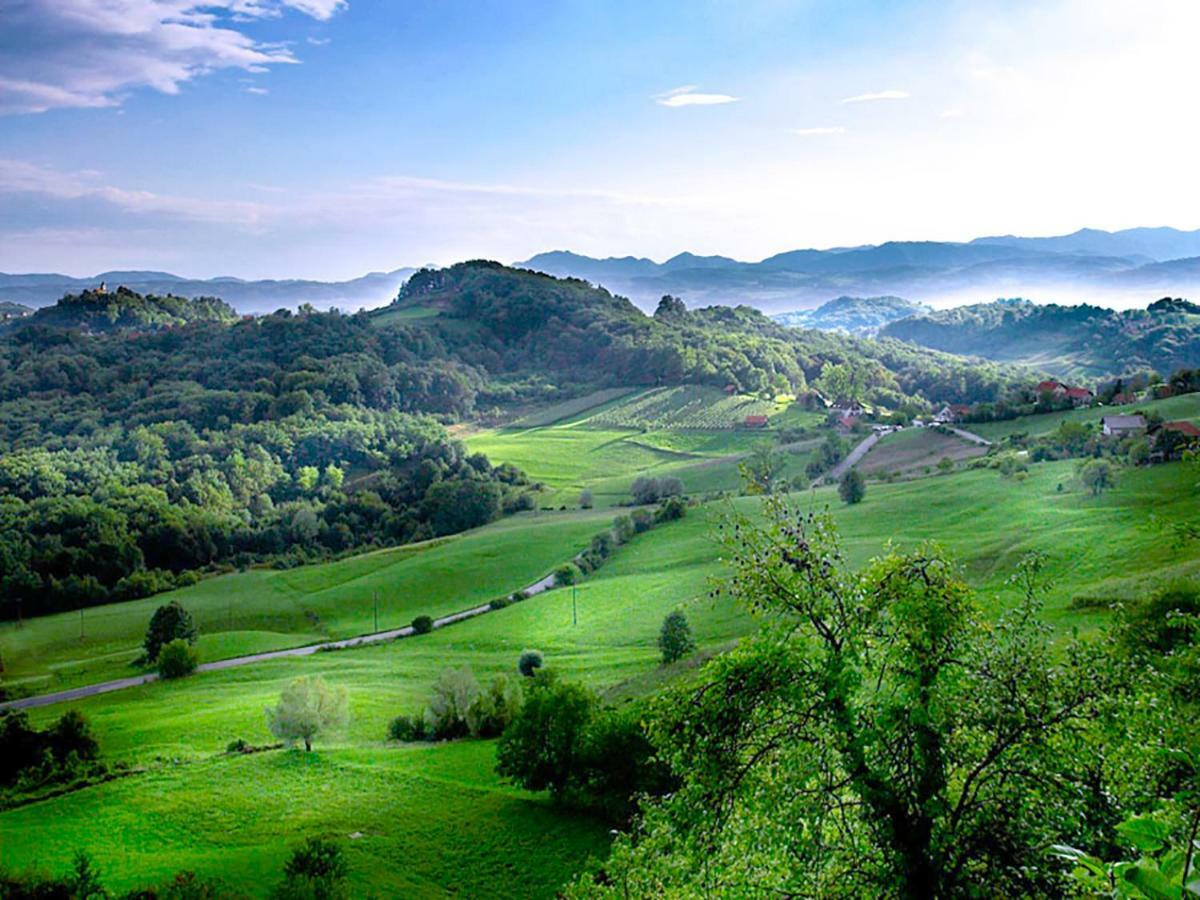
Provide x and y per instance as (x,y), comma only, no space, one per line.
(329,138)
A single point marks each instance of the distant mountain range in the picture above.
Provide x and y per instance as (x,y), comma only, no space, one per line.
(1122,268)
(862,316)
(374,289)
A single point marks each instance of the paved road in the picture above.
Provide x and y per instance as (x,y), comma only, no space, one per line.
(852,458)
(105,687)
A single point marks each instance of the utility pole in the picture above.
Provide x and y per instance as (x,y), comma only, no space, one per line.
(375,596)
(574,606)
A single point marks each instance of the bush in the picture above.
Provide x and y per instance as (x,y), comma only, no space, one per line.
(585,499)
(623,529)
(452,695)
(539,748)
(1164,621)
(529,662)
(307,708)
(238,745)
(178,659)
(318,866)
(422,625)
(566,574)
(409,728)
(518,596)
(170,622)
(643,520)
(671,509)
(675,637)
(499,603)
(852,487)
(646,489)
(490,712)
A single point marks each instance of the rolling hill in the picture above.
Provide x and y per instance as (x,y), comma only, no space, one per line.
(863,316)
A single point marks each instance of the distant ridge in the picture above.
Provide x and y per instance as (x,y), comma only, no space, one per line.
(267,295)
(1121,268)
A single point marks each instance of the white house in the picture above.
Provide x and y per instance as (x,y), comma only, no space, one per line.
(1120,426)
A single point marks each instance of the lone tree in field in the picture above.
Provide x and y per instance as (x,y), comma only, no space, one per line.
(852,487)
(675,638)
(1097,475)
(307,707)
(170,622)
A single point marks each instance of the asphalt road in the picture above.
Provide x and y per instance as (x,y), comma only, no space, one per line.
(105,687)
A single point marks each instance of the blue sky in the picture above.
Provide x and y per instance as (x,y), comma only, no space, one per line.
(322,138)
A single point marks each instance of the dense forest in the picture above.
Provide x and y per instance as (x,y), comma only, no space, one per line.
(1079,341)
(145,440)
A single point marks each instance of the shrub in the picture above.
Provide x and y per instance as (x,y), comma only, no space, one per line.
(409,728)
(646,489)
(623,529)
(539,748)
(177,659)
(585,499)
(422,625)
(852,488)
(675,637)
(316,869)
(170,622)
(452,695)
(518,596)
(643,520)
(1164,621)
(567,573)
(499,603)
(238,745)
(490,712)
(529,662)
(671,509)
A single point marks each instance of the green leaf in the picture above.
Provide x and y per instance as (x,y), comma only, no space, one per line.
(1144,833)
(1145,876)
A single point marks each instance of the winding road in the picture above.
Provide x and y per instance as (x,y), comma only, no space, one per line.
(834,475)
(105,687)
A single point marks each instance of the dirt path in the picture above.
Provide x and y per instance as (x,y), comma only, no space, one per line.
(852,458)
(105,687)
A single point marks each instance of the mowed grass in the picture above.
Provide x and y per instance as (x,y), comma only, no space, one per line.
(1185,407)
(261,609)
(435,820)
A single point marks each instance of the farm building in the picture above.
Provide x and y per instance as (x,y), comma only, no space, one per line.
(1121,426)
(756,422)
(1171,439)
(1051,387)
(1124,399)
(952,412)
(1080,396)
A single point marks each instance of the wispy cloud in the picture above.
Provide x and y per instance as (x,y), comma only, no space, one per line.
(689,96)
(319,42)
(257,90)
(820,130)
(877,95)
(94,53)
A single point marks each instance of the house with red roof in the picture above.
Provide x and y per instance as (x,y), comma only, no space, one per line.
(1080,396)
(1051,387)
(1171,439)
(756,422)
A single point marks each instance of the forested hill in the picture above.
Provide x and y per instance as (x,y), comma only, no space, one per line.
(1078,341)
(100,310)
(511,334)
(854,315)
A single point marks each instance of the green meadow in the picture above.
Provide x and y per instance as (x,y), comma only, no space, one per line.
(430,820)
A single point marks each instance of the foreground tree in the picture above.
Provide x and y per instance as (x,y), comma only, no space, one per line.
(874,739)
(1097,475)
(178,659)
(170,622)
(307,708)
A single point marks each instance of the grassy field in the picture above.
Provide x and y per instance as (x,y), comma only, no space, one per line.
(1184,407)
(434,820)
(263,609)
(570,409)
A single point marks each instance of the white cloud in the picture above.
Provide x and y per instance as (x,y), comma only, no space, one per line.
(877,95)
(688,96)
(93,53)
(319,42)
(814,132)
(257,90)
